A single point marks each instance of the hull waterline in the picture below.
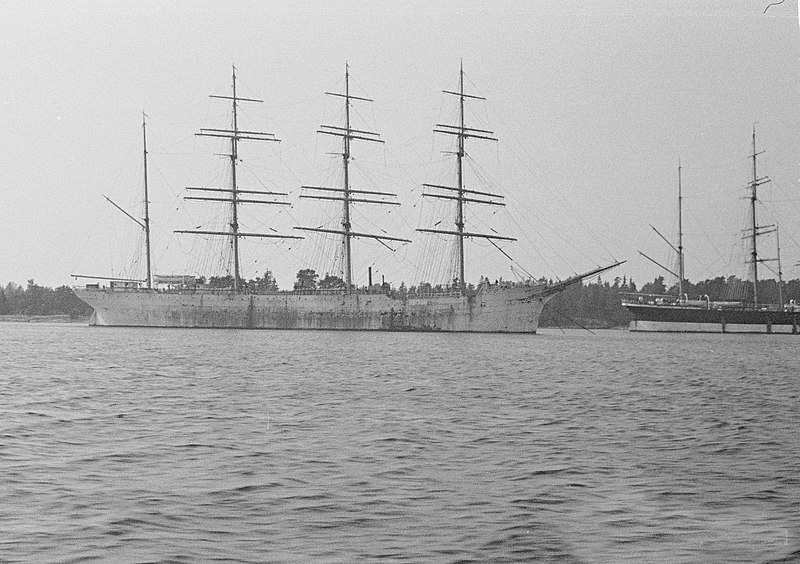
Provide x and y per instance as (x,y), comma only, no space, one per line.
(502,309)
(677,319)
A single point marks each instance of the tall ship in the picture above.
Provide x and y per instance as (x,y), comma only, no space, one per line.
(499,307)
(679,313)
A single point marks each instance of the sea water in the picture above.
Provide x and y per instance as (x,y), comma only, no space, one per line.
(170,445)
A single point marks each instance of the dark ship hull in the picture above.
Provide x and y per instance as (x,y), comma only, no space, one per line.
(711,318)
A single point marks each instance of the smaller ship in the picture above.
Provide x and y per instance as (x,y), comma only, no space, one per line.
(678,313)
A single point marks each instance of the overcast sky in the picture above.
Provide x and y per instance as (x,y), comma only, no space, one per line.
(593,104)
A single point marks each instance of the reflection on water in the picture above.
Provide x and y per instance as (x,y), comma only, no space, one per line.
(141,445)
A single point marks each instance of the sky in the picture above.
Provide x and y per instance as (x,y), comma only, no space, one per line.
(593,105)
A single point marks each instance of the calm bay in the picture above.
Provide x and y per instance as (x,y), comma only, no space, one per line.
(170,445)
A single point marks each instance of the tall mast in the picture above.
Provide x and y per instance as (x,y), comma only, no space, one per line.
(780,272)
(345,194)
(680,233)
(460,201)
(462,195)
(237,281)
(754,228)
(348,264)
(232,194)
(146,204)
(754,235)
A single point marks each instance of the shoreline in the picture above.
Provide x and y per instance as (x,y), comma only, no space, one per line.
(55,318)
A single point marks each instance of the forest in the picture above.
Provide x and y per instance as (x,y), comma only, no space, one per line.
(595,304)
(598,304)
(41,300)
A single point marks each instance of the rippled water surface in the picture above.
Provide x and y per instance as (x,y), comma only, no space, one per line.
(150,445)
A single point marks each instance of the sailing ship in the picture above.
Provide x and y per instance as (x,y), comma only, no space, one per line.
(502,307)
(680,314)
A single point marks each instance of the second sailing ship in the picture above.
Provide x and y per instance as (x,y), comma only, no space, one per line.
(701,314)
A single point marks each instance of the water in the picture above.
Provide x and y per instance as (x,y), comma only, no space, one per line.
(149,445)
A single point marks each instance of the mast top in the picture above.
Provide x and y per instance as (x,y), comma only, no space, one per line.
(345,193)
(231,194)
(459,193)
(755,229)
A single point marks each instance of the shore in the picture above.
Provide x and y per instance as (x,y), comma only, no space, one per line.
(60,318)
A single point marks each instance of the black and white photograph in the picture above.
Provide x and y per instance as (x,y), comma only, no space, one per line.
(351,281)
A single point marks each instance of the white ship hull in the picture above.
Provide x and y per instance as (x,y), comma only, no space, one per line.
(494,309)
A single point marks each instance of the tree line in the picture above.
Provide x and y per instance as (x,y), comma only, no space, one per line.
(599,304)
(40,300)
(595,304)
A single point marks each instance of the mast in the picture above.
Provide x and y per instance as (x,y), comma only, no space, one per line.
(462,194)
(144,223)
(755,229)
(680,234)
(348,264)
(780,272)
(346,194)
(235,189)
(460,201)
(146,205)
(231,195)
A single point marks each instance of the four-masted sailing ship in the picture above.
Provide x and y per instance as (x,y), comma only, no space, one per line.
(682,314)
(498,307)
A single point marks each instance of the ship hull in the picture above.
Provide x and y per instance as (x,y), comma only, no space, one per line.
(500,309)
(677,319)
